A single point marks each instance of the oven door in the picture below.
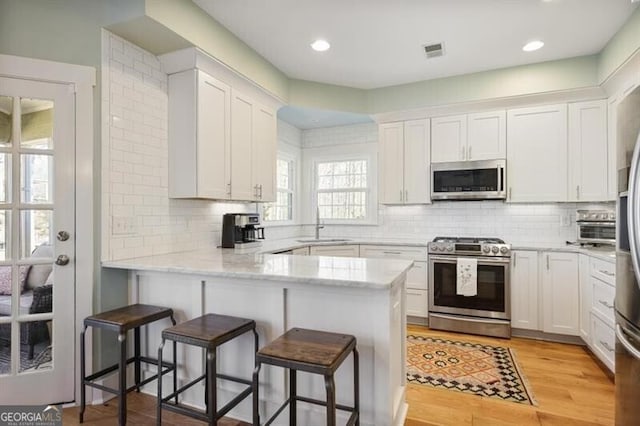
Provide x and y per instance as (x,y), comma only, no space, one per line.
(597,232)
(494,295)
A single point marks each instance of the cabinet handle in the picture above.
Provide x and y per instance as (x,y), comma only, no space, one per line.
(515,259)
(229,189)
(606,346)
(469,153)
(406,195)
(577,192)
(607,273)
(401,196)
(510,192)
(547,262)
(392,252)
(605,304)
(260,192)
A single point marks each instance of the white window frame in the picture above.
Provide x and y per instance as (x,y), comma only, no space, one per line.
(371,217)
(293,179)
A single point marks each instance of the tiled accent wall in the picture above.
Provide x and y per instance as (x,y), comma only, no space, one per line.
(549,223)
(139,219)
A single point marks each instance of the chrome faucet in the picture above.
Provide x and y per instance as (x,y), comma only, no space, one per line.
(318,226)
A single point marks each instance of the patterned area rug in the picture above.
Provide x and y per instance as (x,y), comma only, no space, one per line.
(484,370)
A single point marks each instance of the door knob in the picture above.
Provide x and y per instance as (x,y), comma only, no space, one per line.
(62,236)
(62,260)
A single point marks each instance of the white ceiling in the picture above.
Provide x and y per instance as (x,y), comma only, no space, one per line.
(377,43)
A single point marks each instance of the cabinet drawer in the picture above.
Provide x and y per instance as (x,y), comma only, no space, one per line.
(417,276)
(606,271)
(339,251)
(604,341)
(602,299)
(417,303)
(394,252)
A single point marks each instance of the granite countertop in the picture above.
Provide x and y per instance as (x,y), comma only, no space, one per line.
(319,270)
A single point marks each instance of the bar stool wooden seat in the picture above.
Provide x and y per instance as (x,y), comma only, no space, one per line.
(207,332)
(315,352)
(122,320)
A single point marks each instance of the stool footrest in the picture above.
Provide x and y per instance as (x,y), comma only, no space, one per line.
(88,381)
(185,411)
(114,367)
(278,411)
(352,419)
(323,403)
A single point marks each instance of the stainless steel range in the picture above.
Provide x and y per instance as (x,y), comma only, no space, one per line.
(486,309)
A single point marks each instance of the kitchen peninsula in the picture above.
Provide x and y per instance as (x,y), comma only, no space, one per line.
(358,296)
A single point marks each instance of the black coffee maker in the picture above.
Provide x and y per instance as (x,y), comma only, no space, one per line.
(241,230)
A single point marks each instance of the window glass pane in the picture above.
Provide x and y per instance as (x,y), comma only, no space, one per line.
(36,184)
(282,208)
(5,228)
(5,173)
(36,123)
(342,188)
(35,233)
(6,120)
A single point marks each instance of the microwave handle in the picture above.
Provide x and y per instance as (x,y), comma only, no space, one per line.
(501,178)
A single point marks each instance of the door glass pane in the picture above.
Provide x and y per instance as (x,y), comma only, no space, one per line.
(36,185)
(36,123)
(35,346)
(5,174)
(35,233)
(5,348)
(6,120)
(5,230)
(7,287)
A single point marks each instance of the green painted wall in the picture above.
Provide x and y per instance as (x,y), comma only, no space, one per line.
(624,44)
(310,94)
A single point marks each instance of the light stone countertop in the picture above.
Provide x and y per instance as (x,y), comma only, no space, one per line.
(376,274)
(604,252)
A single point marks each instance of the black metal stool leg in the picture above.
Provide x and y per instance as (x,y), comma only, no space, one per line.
(331,400)
(159,407)
(356,385)
(175,370)
(122,390)
(293,393)
(136,354)
(212,406)
(255,391)
(82,375)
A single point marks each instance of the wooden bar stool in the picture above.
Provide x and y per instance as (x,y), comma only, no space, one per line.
(121,321)
(311,351)
(207,332)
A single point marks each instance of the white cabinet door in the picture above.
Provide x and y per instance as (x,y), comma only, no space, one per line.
(537,154)
(560,293)
(417,182)
(612,138)
(391,163)
(417,305)
(524,290)
(199,136)
(242,186)
(264,153)
(487,135)
(585,299)
(588,151)
(448,138)
(349,250)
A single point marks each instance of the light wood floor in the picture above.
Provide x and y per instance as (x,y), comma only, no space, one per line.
(569,386)
(571,390)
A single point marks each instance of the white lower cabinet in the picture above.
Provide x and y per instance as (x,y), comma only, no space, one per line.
(601,289)
(603,341)
(585,299)
(560,293)
(417,303)
(350,250)
(524,290)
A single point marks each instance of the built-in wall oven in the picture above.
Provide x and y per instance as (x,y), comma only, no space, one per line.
(488,312)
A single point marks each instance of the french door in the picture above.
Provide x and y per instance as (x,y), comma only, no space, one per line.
(37,249)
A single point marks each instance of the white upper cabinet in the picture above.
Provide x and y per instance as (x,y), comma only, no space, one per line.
(404,162)
(588,151)
(472,137)
(199,136)
(560,293)
(537,154)
(524,290)
(265,152)
(448,138)
(487,135)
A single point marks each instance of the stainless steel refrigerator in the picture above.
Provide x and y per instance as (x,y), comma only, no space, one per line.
(627,302)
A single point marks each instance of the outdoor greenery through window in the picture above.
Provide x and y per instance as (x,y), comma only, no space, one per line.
(342,189)
(282,209)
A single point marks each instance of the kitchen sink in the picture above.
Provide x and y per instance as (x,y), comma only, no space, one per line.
(323,240)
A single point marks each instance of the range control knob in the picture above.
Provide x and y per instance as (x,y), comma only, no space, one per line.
(504,250)
(486,249)
(494,249)
(449,248)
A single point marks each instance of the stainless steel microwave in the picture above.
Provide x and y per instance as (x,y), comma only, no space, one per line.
(469,180)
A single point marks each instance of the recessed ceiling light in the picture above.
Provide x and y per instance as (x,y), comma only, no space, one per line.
(320,45)
(533,45)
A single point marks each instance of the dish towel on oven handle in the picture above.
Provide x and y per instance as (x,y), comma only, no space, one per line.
(467,277)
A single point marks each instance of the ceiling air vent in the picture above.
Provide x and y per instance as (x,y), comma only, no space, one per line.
(433,50)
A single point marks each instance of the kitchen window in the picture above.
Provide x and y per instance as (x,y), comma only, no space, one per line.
(342,190)
(282,209)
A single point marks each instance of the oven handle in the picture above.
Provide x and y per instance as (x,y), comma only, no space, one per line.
(586,223)
(481,260)
(469,319)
